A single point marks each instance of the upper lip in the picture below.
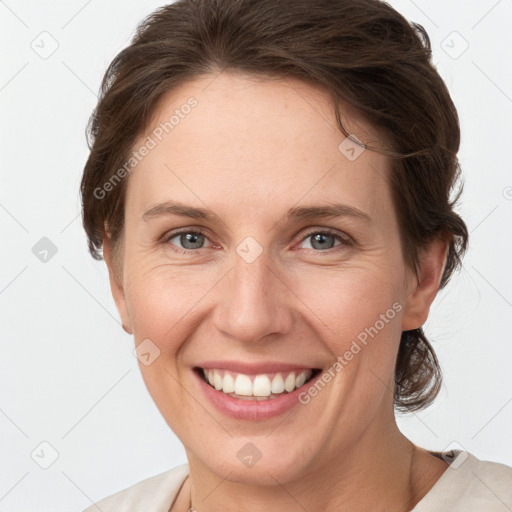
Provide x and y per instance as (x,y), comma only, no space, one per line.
(254,368)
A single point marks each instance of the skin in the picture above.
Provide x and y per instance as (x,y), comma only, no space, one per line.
(250,150)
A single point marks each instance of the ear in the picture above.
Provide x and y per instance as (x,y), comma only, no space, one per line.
(116,285)
(422,289)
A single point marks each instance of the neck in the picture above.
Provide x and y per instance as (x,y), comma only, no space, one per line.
(379,472)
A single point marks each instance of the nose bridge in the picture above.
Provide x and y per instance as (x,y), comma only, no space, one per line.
(253,303)
(251,281)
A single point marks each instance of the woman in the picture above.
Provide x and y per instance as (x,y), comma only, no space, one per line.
(270,184)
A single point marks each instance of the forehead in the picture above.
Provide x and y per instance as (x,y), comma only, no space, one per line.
(233,141)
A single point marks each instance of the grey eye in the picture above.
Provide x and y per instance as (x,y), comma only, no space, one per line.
(322,241)
(189,240)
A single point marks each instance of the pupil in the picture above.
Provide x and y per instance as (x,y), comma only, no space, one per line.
(320,238)
(191,238)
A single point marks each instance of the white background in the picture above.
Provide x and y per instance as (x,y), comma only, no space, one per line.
(67,371)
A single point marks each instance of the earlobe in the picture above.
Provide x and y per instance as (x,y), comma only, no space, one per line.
(116,285)
(423,288)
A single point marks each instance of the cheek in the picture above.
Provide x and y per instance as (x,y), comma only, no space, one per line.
(347,301)
(163,302)
(161,309)
(357,313)
(342,303)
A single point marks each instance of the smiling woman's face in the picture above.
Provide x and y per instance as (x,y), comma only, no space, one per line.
(263,283)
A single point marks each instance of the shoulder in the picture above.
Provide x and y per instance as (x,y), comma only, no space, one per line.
(470,485)
(154,494)
(494,480)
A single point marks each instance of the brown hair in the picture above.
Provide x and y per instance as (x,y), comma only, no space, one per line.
(363,52)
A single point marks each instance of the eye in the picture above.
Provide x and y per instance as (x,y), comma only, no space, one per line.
(323,240)
(188,239)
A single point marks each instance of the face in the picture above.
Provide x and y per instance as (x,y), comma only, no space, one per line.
(261,278)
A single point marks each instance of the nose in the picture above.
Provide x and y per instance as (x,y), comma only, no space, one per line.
(255,301)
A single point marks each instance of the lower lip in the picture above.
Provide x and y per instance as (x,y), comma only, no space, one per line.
(253,410)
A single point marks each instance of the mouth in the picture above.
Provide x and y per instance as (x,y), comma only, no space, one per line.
(259,387)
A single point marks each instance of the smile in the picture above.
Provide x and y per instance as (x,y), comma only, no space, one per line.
(264,386)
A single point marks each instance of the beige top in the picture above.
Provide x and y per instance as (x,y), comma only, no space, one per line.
(468,485)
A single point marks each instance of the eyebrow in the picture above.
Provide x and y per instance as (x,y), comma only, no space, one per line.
(330,210)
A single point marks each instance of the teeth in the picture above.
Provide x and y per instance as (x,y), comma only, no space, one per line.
(229,384)
(243,384)
(278,384)
(289,383)
(260,387)
(217,381)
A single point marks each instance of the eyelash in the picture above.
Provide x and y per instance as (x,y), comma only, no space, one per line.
(344,239)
